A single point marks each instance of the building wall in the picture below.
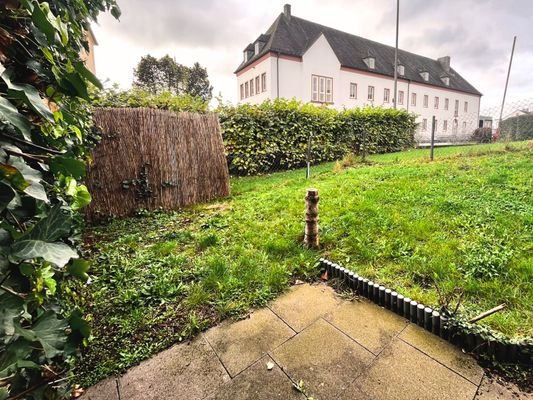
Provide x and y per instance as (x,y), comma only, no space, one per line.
(88,57)
(295,82)
(264,66)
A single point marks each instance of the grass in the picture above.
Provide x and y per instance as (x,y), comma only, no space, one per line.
(428,229)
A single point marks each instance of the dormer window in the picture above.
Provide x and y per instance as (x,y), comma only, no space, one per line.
(245,55)
(425,75)
(370,62)
(446,80)
(401,70)
(256,48)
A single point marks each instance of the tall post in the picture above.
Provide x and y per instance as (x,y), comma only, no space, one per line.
(311,219)
(396,54)
(308,170)
(506,84)
(432,146)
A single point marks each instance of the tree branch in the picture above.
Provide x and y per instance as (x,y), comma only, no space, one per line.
(36,146)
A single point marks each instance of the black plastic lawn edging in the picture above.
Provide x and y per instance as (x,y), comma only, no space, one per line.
(467,336)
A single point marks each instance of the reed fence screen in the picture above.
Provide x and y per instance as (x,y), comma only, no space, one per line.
(150,159)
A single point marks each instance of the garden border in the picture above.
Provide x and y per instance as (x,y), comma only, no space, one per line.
(460,334)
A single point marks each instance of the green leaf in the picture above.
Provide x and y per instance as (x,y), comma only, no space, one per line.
(115,12)
(28,94)
(10,114)
(11,307)
(78,84)
(47,274)
(54,226)
(33,177)
(88,75)
(15,357)
(56,253)
(67,166)
(13,175)
(6,195)
(49,331)
(42,22)
(82,197)
(77,323)
(78,268)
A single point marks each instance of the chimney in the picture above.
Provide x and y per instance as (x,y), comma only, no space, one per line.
(444,63)
(287,11)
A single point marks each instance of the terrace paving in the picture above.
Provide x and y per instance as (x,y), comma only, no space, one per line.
(309,343)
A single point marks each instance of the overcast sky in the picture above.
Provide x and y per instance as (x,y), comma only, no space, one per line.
(477,34)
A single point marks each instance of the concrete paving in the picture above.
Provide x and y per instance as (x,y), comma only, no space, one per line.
(309,343)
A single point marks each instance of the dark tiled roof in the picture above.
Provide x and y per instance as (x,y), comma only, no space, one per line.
(294,36)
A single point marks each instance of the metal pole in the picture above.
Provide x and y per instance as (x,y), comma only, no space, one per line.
(506,84)
(396,54)
(432,138)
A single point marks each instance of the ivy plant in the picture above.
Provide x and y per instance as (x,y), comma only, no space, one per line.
(45,133)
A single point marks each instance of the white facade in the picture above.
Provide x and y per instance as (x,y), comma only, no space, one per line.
(292,77)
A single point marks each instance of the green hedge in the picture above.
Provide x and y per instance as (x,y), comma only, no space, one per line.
(274,135)
(517,128)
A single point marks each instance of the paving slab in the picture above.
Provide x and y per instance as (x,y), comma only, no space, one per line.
(185,371)
(493,389)
(325,359)
(304,304)
(368,324)
(402,372)
(104,390)
(444,352)
(259,383)
(240,344)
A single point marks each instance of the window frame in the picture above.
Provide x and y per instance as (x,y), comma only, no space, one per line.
(436,102)
(263,82)
(401,96)
(373,91)
(425,124)
(252,92)
(466,107)
(413,99)
(353,93)
(242,91)
(445,125)
(257,83)
(322,95)
(446,103)
(386,95)
(246,89)
(426,101)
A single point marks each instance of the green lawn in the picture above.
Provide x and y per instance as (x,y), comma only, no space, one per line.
(460,223)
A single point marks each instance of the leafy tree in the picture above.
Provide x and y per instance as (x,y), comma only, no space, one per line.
(147,74)
(198,82)
(45,131)
(173,76)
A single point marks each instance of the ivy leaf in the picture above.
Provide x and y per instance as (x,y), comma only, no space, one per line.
(6,195)
(33,177)
(56,253)
(82,197)
(88,75)
(54,226)
(67,166)
(78,269)
(43,20)
(28,94)
(15,357)
(49,331)
(11,307)
(13,175)
(78,84)
(77,323)
(10,114)
(115,12)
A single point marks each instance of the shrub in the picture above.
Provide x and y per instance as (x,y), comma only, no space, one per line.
(482,135)
(135,98)
(274,135)
(517,128)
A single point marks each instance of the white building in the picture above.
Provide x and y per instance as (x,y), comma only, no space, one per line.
(300,59)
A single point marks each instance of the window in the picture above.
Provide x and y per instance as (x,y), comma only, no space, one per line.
(256,49)
(426,101)
(446,80)
(456,110)
(321,89)
(436,103)
(464,126)
(242,91)
(413,99)
(446,103)
(425,124)
(401,70)
(444,126)
(263,82)
(245,56)
(353,90)
(257,87)
(370,62)
(466,106)
(454,129)
(246,89)
(400,97)
(371,93)
(425,75)
(251,87)
(386,95)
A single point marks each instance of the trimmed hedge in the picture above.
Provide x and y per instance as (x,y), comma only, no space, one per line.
(482,135)
(517,128)
(274,135)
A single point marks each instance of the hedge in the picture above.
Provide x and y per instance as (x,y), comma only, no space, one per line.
(274,135)
(517,128)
